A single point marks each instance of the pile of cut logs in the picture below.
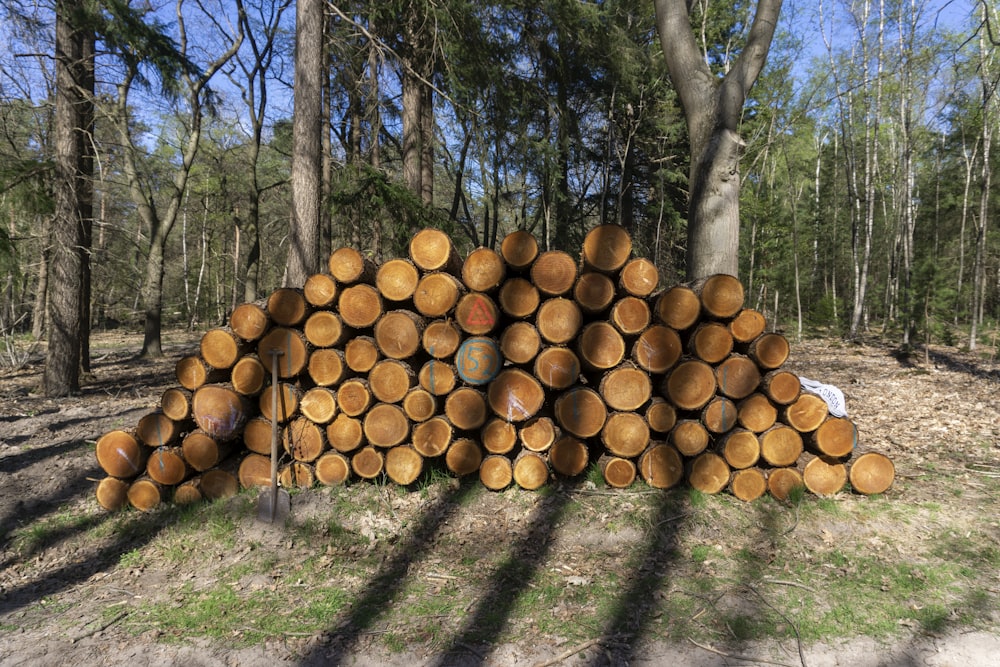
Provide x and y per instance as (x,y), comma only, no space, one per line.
(516,365)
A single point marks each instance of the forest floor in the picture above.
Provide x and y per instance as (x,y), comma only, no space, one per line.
(449,574)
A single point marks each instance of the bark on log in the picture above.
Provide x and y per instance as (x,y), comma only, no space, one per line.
(433,250)
(477,314)
(397,279)
(709,473)
(463,457)
(520,342)
(538,434)
(769,350)
(581,411)
(466,408)
(639,277)
(319,405)
(618,473)
(690,385)
(594,292)
(553,272)
(515,395)
(359,306)
(740,448)
(625,387)
(689,437)
(756,413)
(436,294)
(419,405)
(432,437)
(625,434)
(748,484)
(568,456)
(478,360)
(806,414)
(221,348)
(385,425)
(678,307)
(324,328)
(836,437)
(518,298)
(293,347)
(661,466)
(498,436)
(327,367)
(530,470)
(403,464)
(112,493)
(121,455)
(332,469)
(202,451)
(606,248)
(783,482)
(483,270)
(441,339)
(871,473)
(496,472)
(348,266)
(780,445)
(558,320)
(248,376)
(287,307)
(368,463)
(254,470)
(747,325)
(782,387)
(250,321)
(557,367)
(145,494)
(399,333)
(719,415)
(630,315)
(600,346)
(168,466)
(175,403)
(320,290)
(354,396)
(721,296)
(660,415)
(303,440)
(657,349)
(192,372)
(288,401)
(711,342)
(823,475)
(361,354)
(437,377)
(219,411)
(345,434)
(390,380)
(737,377)
(519,249)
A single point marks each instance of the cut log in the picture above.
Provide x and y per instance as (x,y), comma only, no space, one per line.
(711,342)
(748,485)
(557,367)
(553,273)
(250,321)
(769,350)
(496,472)
(120,454)
(483,270)
(498,436)
(390,379)
(361,354)
(690,385)
(618,473)
(871,473)
(332,469)
(581,411)
(419,405)
(657,349)
(188,492)
(220,482)
(293,347)
(568,456)
(518,298)
(463,457)
(780,445)
(823,475)
(678,307)
(466,409)
(327,367)
(625,434)
(476,314)
(721,296)
(625,387)
(538,434)
(399,333)
(297,474)
(806,414)
(354,396)
(396,280)
(320,290)
(433,250)
(520,342)
(719,415)
(248,375)
(359,306)
(737,377)
(689,437)
(437,377)
(254,470)
(168,466)
(349,266)
(192,372)
(747,325)
(478,360)
(782,387)
(145,494)
(324,328)
(836,437)
(345,434)
(175,403)
(756,413)
(403,464)
(303,440)
(594,292)
(661,466)
(432,437)
(709,473)
(601,346)
(112,493)
(257,435)
(368,463)
(660,415)
(287,307)
(639,277)
(385,425)
(288,401)
(740,448)
(441,339)
(319,405)
(221,348)
(515,395)
(219,411)
(630,315)
(606,248)
(436,294)
(519,249)
(783,482)
(558,320)
(530,471)
(202,451)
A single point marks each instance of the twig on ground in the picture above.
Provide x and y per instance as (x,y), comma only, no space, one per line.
(100,628)
(737,657)
(782,582)
(795,629)
(579,648)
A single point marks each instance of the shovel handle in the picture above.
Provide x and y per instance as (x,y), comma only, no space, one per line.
(275,353)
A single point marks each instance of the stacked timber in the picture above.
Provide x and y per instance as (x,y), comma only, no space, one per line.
(515,365)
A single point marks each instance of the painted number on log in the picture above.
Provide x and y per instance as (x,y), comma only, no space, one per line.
(478,360)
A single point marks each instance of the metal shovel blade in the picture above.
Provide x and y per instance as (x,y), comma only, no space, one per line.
(274,504)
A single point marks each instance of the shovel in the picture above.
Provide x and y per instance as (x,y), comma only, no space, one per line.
(274,504)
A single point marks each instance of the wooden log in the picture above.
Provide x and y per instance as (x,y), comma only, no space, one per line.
(432,250)
(403,464)
(293,347)
(782,387)
(747,325)
(871,473)
(625,434)
(780,445)
(192,372)
(175,403)
(483,270)
(257,435)
(515,395)
(498,436)
(737,377)
(657,349)
(254,470)
(690,385)
(496,472)
(618,473)
(297,474)
(478,360)
(756,413)
(327,367)
(783,482)
(660,415)
(600,346)
(581,411)
(661,466)
(594,292)
(288,401)
(708,472)
(248,375)
(689,437)
(721,296)
(385,425)
(188,492)
(719,415)
(465,407)
(806,414)
(441,338)
(202,451)
(463,457)
(219,411)
(347,265)
(396,280)
(361,354)
(419,405)
(606,248)
(221,348)
(740,448)
(748,484)
(639,277)
(320,290)
(399,333)
(145,494)
(332,469)
(368,463)
(303,440)
(557,367)
(625,387)
(769,350)
(678,307)
(168,466)
(519,249)
(437,294)
(288,307)
(824,475)
(836,437)
(538,434)
(324,328)
(630,315)
(359,306)
(319,405)
(390,379)
(437,377)
(553,272)
(354,396)
(345,434)
(711,342)
(568,456)
(112,493)
(221,481)
(477,314)
(432,438)
(518,298)
(249,321)
(530,471)
(558,320)
(520,342)
(120,454)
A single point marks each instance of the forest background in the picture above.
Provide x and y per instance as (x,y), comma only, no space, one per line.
(866,200)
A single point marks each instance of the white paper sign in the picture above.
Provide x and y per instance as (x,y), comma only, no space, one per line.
(834,397)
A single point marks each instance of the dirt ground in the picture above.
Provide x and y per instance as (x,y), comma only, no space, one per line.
(52,601)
